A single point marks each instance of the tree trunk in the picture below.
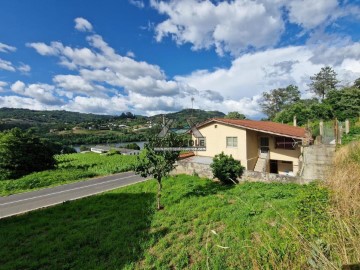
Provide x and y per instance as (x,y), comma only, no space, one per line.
(159,206)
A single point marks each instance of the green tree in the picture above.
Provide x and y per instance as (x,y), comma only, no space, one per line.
(22,153)
(158,164)
(235,115)
(323,81)
(345,103)
(357,83)
(305,110)
(132,146)
(226,168)
(275,100)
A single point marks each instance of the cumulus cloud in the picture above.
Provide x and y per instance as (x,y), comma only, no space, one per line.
(42,93)
(227,26)
(251,74)
(310,14)
(6,48)
(113,105)
(235,26)
(83,25)
(103,81)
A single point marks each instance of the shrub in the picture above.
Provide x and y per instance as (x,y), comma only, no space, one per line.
(133,146)
(226,168)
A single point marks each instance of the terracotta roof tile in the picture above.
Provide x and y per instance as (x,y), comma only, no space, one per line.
(263,126)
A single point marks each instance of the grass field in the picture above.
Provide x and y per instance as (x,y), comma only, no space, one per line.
(204,226)
(70,168)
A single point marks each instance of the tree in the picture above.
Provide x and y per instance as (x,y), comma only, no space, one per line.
(277,99)
(357,83)
(235,115)
(22,153)
(307,109)
(323,81)
(226,168)
(158,164)
(132,146)
(345,102)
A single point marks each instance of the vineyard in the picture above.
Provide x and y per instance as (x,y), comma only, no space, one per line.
(70,168)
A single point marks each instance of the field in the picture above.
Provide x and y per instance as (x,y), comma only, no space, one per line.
(204,226)
(70,168)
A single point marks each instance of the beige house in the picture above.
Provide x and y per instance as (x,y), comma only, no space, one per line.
(259,145)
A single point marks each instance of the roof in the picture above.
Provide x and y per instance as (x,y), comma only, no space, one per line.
(262,126)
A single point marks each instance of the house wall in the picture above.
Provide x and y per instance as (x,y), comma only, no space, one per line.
(283,154)
(216,142)
(247,150)
(252,148)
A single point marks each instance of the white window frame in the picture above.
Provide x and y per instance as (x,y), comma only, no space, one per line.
(231,142)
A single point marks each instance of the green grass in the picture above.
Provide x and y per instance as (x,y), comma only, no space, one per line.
(203,225)
(70,168)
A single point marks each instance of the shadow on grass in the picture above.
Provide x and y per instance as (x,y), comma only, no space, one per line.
(211,187)
(110,231)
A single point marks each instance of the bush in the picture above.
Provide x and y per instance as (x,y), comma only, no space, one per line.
(84,148)
(226,168)
(133,146)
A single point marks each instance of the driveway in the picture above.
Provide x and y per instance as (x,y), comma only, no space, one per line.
(25,202)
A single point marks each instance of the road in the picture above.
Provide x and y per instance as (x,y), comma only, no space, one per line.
(25,202)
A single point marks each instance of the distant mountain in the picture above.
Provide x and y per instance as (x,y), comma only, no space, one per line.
(25,118)
(196,115)
(49,116)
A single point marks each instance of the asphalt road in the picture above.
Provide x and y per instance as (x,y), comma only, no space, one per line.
(25,202)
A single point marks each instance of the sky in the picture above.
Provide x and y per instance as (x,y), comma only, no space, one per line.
(151,56)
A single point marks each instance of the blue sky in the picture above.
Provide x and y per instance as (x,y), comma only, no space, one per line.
(153,56)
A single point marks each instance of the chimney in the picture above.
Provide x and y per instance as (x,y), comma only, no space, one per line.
(294,120)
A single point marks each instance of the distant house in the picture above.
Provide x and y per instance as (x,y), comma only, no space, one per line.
(260,145)
(101,149)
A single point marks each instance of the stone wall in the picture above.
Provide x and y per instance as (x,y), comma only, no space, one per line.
(204,170)
(272,177)
(192,168)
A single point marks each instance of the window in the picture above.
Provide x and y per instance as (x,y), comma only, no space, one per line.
(231,141)
(285,143)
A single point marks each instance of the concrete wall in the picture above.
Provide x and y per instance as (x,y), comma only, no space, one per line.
(317,160)
(216,134)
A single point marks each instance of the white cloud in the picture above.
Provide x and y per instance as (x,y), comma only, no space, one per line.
(113,105)
(137,3)
(6,65)
(2,86)
(24,68)
(130,54)
(42,93)
(234,26)
(6,48)
(44,49)
(227,26)
(82,24)
(310,14)
(24,103)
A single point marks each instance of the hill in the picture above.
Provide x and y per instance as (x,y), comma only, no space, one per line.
(196,116)
(50,116)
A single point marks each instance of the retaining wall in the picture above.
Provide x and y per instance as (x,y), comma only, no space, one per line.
(204,170)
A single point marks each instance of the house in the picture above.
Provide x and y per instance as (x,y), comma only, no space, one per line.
(259,145)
